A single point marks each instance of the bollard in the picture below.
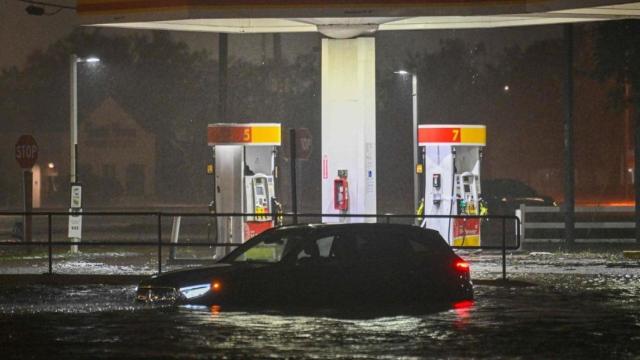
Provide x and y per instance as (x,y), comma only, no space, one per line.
(504,250)
(49,240)
(159,243)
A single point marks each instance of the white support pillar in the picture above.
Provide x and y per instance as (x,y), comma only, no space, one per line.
(349,123)
(229,172)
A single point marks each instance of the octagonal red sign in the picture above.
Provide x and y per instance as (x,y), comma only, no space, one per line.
(26,151)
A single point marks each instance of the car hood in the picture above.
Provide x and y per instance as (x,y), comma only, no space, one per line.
(188,277)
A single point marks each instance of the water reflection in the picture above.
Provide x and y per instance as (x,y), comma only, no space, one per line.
(463,311)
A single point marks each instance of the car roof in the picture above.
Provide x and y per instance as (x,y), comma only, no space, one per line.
(354,226)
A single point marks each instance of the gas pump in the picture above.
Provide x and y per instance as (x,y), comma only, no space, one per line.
(245,174)
(452,161)
(260,197)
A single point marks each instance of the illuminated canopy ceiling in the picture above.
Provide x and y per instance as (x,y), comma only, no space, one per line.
(346,18)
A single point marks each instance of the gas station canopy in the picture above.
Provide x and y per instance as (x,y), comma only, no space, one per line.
(344,18)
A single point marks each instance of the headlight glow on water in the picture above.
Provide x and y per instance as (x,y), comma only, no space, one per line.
(194,291)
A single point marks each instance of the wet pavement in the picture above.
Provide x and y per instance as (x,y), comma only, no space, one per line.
(583,306)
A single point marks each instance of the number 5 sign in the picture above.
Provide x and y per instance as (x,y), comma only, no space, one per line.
(26,151)
(244,134)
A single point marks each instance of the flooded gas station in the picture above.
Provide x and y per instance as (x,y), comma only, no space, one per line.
(209,126)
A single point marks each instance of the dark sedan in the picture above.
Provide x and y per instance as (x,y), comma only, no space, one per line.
(323,265)
(504,196)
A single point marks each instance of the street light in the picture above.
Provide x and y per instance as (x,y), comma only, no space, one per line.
(74,60)
(73,129)
(414,97)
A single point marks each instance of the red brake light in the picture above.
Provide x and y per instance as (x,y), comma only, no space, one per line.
(461,265)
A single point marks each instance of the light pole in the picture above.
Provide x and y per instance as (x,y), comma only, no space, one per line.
(75,222)
(414,97)
(73,80)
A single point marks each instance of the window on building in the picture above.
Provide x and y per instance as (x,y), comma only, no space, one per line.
(135,179)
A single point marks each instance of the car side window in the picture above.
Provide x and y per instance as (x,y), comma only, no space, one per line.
(428,242)
(270,249)
(324,246)
(315,250)
(344,249)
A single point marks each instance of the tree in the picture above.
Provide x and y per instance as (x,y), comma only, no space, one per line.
(170,89)
(617,56)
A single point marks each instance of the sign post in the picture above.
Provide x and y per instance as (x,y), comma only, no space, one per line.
(304,143)
(75,220)
(27,155)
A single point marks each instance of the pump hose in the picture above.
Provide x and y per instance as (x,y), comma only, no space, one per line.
(453,185)
(419,212)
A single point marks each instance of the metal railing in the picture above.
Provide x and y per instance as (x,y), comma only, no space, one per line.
(547,224)
(160,244)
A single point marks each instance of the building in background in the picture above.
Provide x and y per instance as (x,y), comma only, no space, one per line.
(117,162)
(117,155)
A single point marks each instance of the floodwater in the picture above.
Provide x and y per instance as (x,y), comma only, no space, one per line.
(568,315)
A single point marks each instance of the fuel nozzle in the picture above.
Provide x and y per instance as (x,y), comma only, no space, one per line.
(462,207)
(276,207)
(420,209)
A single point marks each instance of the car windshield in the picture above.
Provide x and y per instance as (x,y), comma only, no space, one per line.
(269,248)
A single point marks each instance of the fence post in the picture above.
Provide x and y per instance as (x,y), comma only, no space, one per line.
(522,216)
(294,180)
(504,249)
(49,240)
(159,243)
(175,233)
(518,233)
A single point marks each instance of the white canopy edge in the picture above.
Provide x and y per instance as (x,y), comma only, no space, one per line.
(359,25)
(288,25)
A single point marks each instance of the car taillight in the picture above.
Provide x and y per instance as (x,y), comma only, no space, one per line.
(461,265)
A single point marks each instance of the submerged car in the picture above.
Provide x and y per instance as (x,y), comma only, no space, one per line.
(504,196)
(323,265)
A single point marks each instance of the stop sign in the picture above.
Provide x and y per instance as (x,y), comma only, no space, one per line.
(26,151)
